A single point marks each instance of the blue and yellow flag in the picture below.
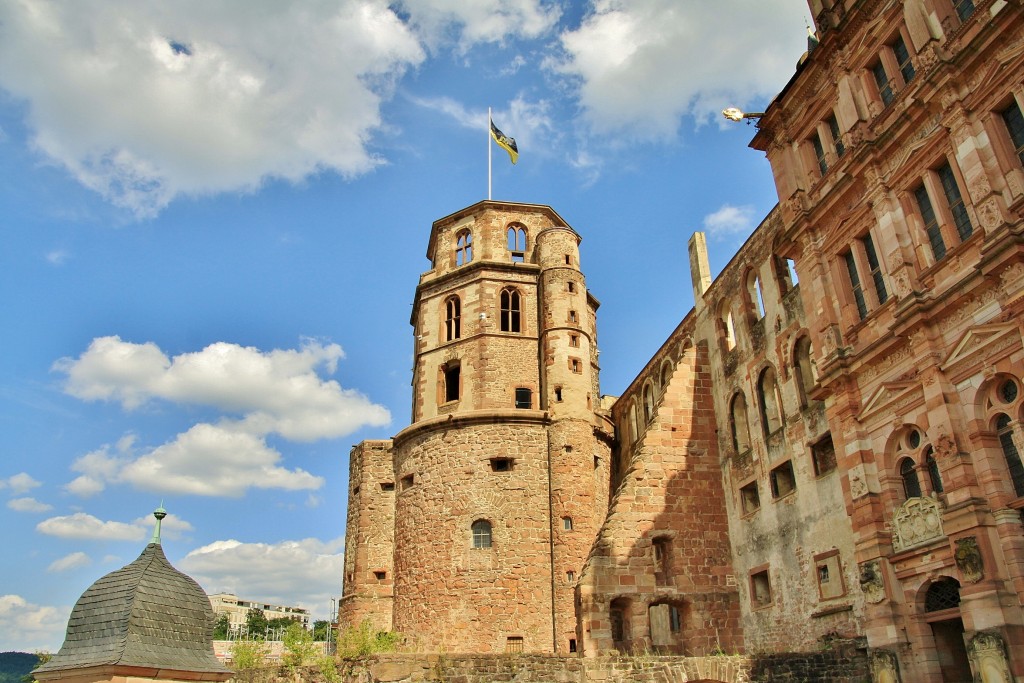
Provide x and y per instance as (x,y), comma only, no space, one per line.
(506,143)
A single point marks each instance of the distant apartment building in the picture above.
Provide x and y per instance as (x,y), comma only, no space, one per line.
(236,609)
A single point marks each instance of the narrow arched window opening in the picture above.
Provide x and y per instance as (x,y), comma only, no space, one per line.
(453,318)
(1010,453)
(648,404)
(463,248)
(770,402)
(517,244)
(738,424)
(481,529)
(511,310)
(806,372)
(911,484)
(934,476)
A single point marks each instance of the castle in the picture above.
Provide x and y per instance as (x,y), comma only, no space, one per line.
(828,445)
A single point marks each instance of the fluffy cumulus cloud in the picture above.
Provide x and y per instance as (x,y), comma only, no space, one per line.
(142,101)
(480,21)
(303,573)
(640,65)
(82,525)
(19,483)
(69,562)
(730,221)
(25,627)
(261,393)
(28,504)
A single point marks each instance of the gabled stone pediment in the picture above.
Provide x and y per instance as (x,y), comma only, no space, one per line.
(980,342)
(895,395)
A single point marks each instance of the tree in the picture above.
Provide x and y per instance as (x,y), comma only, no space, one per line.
(248,654)
(321,629)
(299,649)
(221,628)
(256,623)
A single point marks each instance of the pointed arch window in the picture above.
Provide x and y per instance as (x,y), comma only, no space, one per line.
(517,243)
(511,313)
(463,248)
(453,318)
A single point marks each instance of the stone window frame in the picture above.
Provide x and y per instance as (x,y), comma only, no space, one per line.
(782,480)
(661,559)
(463,247)
(942,231)
(830,559)
(913,455)
(407,482)
(1004,421)
(739,423)
(1009,157)
(517,242)
(510,304)
(805,370)
(386,486)
(760,578)
(481,534)
(865,275)
(726,326)
(502,464)
(575,365)
(750,498)
(882,92)
(521,396)
(449,386)
(823,466)
(754,298)
(647,400)
(452,318)
(769,401)
(514,645)
(574,341)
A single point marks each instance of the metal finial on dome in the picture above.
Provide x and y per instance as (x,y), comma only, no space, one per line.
(159,513)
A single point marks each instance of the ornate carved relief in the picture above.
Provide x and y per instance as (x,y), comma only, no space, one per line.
(872,585)
(987,653)
(917,521)
(989,214)
(968,559)
(885,667)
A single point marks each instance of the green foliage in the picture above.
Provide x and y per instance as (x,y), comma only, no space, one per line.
(282,622)
(321,629)
(299,649)
(329,668)
(220,629)
(363,640)
(256,622)
(16,667)
(248,654)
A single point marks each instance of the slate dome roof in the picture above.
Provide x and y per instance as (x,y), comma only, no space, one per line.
(146,614)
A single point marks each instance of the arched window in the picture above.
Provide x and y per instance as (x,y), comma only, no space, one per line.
(666,375)
(755,294)
(463,248)
(738,424)
(481,533)
(452,318)
(771,405)
(806,373)
(943,594)
(648,403)
(633,432)
(934,476)
(517,243)
(911,485)
(510,310)
(1005,433)
(728,329)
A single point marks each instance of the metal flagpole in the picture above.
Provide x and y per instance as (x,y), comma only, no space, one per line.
(488,154)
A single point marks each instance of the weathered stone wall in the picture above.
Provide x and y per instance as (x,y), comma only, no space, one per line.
(659,577)
(369,537)
(800,541)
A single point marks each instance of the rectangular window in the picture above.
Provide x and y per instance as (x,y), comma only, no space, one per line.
(819,153)
(783,480)
(760,589)
(1014,121)
(750,500)
(572,316)
(882,81)
(380,576)
(858,292)
(524,398)
(558,394)
(906,67)
(572,287)
(829,573)
(501,464)
(451,383)
(876,270)
(575,365)
(514,644)
(837,138)
(387,486)
(574,341)
(570,576)
(407,481)
(964,9)
(824,455)
(955,202)
(931,223)
(572,645)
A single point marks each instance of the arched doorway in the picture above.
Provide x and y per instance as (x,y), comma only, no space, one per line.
(942,612)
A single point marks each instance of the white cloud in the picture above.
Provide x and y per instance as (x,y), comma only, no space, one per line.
(58,257)
(274,392)
(528,122)
(25,627)
(141,101)
(81,525)
(730,220)
(479,21)
(306,573)
(28,505)
(640,66)
(172,527)
(19,483)
(68,562)
(209,460)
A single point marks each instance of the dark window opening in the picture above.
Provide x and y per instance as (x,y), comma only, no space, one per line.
(558,394)
(824,456)
(572,316)
(572,645)
(931,223)
(876,269)
(407,481)
(858,292)
(662,550)
(1008,391)
(906,67)
(819,153)
(380,576)
(510,310)
(943,594)
(453,319)
(911,484)
(955,202)
(524,397)
(934,476)
(837,138)
(1014,121)
(514,644)
(750,499)
(387,486)
(452,380)
(572,287)
(1010,454)
(517,244)
(964,9)
(760,589)
(783,480)
(501,464)
(883,83)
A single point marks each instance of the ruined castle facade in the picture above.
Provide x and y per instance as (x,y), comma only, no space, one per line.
(828,445)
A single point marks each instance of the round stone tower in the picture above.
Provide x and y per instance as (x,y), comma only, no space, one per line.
(498,478)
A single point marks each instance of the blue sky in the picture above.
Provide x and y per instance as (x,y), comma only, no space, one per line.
(215,215)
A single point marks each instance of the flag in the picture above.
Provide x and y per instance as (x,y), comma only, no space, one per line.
(506,143)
